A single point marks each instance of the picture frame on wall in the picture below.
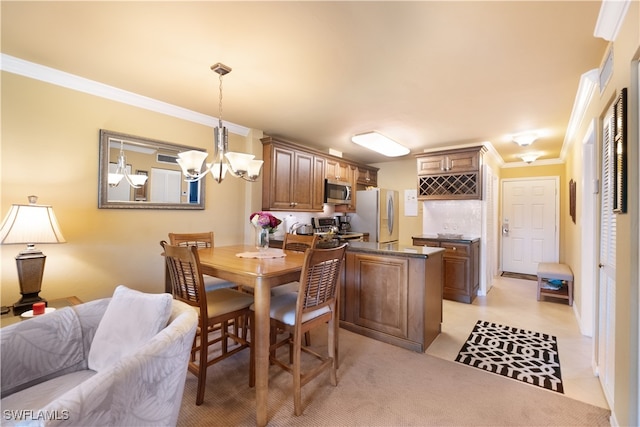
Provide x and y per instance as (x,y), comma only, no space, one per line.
(572,200)
(619,155)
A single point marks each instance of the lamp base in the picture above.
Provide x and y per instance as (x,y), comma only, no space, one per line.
(26,303)
(30,265)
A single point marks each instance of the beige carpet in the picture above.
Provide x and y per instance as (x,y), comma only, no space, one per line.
(383,385)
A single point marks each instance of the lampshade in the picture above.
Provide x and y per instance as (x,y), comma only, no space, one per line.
(30,224)
(380,143)
(529,158)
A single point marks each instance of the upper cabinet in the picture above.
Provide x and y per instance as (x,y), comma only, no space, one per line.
(450,175)
(367,177)
(290,178)
(293,176)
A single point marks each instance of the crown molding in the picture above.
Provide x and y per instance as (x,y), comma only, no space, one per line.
(586,88)
(39,72)
(612,13)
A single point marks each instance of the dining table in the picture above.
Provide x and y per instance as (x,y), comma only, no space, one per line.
(246,266)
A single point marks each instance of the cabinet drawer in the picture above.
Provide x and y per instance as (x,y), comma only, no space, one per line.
(425,242)
(455,249)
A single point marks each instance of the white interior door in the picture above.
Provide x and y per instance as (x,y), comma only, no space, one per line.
(166,186)
(607,274)
(529,223)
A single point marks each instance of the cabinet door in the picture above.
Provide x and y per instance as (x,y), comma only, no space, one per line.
(429,165)
(378,295)
(456,278)
(337,170)
(281,179)
(367,177)
(462,162)
(302,181)
(319,165)
(292,180)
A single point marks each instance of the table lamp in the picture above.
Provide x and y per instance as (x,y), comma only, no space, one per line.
(30,224)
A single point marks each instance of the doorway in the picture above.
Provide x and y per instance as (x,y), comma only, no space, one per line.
(530,215)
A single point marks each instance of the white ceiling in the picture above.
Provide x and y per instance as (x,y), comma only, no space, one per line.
(428,74)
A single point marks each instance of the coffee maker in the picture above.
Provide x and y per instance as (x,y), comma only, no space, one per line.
(344,223)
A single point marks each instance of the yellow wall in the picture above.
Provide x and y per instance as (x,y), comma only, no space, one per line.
(50,149)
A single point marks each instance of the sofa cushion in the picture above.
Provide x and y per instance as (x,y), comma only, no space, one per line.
(40,395)
(38,349)
(130,320)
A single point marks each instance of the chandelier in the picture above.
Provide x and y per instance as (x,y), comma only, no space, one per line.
(239,165)
(134,180)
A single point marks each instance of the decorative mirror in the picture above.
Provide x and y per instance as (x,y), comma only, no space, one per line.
(142,173)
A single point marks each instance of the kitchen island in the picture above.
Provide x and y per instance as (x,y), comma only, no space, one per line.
(393,293)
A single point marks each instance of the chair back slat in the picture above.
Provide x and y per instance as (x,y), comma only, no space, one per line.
(187,282)
(299,242)
(200,240)
(319,279)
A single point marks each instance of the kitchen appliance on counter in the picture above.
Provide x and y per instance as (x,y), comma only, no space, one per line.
(344,223)
(377,212)
(328,228)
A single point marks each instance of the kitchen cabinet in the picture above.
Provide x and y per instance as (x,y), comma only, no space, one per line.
(293,176)
(367,178)
(289,178)
(451,174)
(461,266)
(392,296)
(339,170)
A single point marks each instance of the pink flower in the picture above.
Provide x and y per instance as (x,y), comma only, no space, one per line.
(264,220)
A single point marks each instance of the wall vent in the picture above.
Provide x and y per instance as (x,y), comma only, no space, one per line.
(166,158)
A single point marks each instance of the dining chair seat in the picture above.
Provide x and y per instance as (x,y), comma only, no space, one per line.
(283,309)
(222,301)
(285,289)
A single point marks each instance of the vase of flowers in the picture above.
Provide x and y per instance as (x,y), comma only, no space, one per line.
(264,223)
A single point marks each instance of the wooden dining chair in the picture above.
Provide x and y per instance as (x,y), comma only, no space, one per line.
(201,240)
(217,309)
(296,243)
(314,305)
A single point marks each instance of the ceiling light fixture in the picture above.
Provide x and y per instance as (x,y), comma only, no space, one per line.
(134,180)
(239,165)
(529,158)
(525,139)
(380,143)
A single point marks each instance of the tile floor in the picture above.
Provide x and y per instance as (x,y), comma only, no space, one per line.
(513,302)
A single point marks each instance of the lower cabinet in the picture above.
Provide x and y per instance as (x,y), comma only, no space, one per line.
(395,299)
(461,267)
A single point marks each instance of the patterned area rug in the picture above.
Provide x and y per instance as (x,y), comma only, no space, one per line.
(519,276)
(522,355)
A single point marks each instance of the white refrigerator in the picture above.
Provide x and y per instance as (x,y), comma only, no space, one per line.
(377,214)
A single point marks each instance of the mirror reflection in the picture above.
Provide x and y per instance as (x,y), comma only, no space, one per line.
(138,172)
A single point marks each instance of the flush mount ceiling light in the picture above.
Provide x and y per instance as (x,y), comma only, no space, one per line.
(380,143)
(525,139)
(239,165)
(529,158)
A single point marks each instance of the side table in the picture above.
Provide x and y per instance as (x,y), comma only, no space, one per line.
(9,318)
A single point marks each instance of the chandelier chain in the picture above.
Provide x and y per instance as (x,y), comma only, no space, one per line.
(220,102)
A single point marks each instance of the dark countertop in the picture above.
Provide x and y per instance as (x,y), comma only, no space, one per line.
(462,239)
(393,249)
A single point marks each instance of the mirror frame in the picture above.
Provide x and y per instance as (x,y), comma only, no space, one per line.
(103,173)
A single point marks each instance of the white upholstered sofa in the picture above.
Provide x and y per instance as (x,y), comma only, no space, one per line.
(118,361)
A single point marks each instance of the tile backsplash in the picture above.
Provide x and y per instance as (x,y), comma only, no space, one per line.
(452,216)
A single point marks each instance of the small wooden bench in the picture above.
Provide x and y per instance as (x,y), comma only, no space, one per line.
(555,271)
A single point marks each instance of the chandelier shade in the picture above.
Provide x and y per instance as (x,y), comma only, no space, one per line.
(239,165)
(114,178)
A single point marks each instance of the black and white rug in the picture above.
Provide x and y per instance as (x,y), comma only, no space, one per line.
(523,355)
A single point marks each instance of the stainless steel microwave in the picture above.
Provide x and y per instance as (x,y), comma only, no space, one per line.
(337,192)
